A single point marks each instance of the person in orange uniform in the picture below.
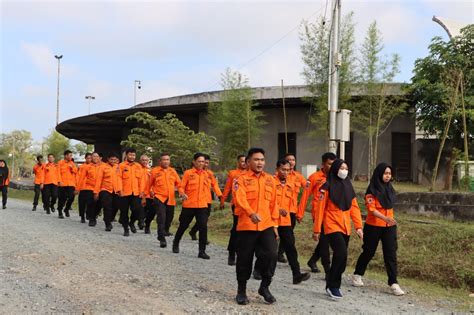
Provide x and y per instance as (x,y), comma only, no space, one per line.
(299,182)
(147,202)
(87,183)
(285,199)
(380,226)
(163,184)
(68,171)
(257,227)
(108,187)
(314,183)
(215,187)
(231,177)
(4,182)
(49,183)
(194,190)
(133,187)
(82,199)
(336,206)
(38,170)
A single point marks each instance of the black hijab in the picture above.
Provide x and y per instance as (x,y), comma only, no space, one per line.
(3,173)
(384,192)
(340,190)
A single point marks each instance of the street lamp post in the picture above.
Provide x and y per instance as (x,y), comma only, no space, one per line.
(90,98)
(136,85)
(58,57)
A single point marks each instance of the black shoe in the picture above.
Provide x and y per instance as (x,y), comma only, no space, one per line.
(66,212)
(242,299)
(301,277)
(47,211)
(147,230)
(4,207)
(267,296)
(141,225)
(34,208)
(231,259)
(163,244)
(92,222)
(167,233)
(52,209)
(60,216)
(133,228)
(83,220)
(175,247)
(203,255)
(281,259)
(314,268)
(256,274)
(193,236)
(126,232)
(108,227)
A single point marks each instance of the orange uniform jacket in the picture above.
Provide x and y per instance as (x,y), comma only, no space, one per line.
(256,194)
(372,203)
(196,184)
(299,182)
(133,181)
(38,170)
(88,177)
(80,175)
(214,186)
(108,179)
(163,183)
(231,176)
(285,200)
(147,178)
(51,174)
(313,184)
(333,218)
(7,180)
(68,172)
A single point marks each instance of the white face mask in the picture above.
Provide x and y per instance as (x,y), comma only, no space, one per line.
(342,174)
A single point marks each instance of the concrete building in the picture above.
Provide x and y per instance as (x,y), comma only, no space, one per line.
(397,144)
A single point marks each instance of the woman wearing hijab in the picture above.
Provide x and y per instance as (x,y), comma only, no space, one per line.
(4,181)
(380,226)
(335,208)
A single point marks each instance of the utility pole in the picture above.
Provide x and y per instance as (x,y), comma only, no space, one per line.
(136,85)
(334,62)
(90,98)
(284,116)
(58,57)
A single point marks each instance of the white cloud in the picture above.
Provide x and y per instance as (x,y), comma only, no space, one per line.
(41,56)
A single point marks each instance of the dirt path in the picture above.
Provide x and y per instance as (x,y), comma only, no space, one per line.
(63,266)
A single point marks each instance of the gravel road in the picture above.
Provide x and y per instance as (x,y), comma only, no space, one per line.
(49,265)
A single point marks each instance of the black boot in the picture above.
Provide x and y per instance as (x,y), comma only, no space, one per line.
(312,265)
(141,225)
(47,211)
(163,243)
(133,228)
(66,212)
(60,214)
(92,222)
(52,209)
(301,277)
(34,208)
(175,247)
(231,259)
(147,229)
(241,297)
(126,232)
(83,220)
(202,254)
(108,227)
(265,292)
(168,233)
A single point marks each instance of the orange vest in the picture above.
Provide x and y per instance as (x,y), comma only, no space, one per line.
(313,184)
(214,186)
(231,176)
(51,174)
(68,172)
(256,194)
(163,184)
(196,185)
(372,203)
(89,176)
(133,181)
(147,177)
(38,170)
(108,179)
(299,182)
(285,200)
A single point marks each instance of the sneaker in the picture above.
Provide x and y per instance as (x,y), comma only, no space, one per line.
(356,280)
(396,290)
(334,293)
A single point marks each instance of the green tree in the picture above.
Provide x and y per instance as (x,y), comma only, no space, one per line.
(234,120)
(15,148)
(82,148)
(442,90)
(55,143)
(153,136)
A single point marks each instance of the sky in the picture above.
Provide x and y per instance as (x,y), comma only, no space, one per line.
(175,48)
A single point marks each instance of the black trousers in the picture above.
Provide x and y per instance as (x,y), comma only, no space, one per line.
(281,249)
(195,227)
(110,202)
(128,202)
(263,244)
(50,194)
(65,197)
(82,201)
(372,236)
(232,246)
(322,251)
(97,207)
(338,242)
(4,190)
(90,204)
(38,192)
(162,211)
(287,240)
(139,214)
(186,217)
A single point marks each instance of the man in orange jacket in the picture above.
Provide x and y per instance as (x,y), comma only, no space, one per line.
(49,183)
(194,190)
(68,171)
(82,198)
(38,170)
(163,184)
(257,227)
(108,187)
(231,178)
(314,183)
(87,182)
(146,204)
(133,187)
